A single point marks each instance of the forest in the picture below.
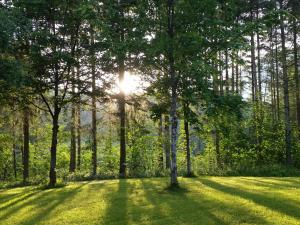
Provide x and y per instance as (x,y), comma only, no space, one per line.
(164,92)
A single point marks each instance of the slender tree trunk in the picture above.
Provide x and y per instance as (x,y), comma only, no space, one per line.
(258,57)
(25,144)
(237,77)
(232,73)
(226,71)
(78,110)
(253,62)
(122,114)
(288,129)
(94,112)
(72,165)
(273,89)
(277,77)
(167,142)
(253,69)
(188,152)
(173,78)
(161,142)
(221,75)
(55,128)
(296,75)
(217,144)
(14,146)
(14,159)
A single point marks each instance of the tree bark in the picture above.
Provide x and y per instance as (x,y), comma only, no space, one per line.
(296,72)
(288,129)
(188,152)
(78,111)
(253,62)
(25,144)
(226,72)
(72,165)
(277,77)
(161,143)
(173,78)
(167,142)
(94,112)
(55,129)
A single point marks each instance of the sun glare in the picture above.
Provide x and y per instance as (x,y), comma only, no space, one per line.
(130,84)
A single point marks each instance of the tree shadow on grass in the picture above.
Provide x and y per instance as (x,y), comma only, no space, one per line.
(17,199)
(117,212)
(276,203)
(182,207)
(285,184)
(47,203)
(43,203)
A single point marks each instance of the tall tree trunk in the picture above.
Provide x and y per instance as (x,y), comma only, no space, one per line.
(221,75)
(277,77)
(167,142)
(161,142)
(94,112)
(288,128)
(14,159)
(226,71)
(296,75)
(173,78)
(237,75)
(25,144)
(253,62)
(232,73)
(14,146)
(188,152)
(253,69)
(273,85)
(122,115)
(55,128)
(258,56)
(72,165)
(78,111)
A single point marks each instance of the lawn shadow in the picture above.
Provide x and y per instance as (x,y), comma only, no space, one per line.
(43,201)
(268,184)
(176,207)
(117,212)
(276,203)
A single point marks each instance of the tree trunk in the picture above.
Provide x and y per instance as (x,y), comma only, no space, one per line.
(277,77)
(258,57)
(188,152)
(173,112)
(72,165)
(55,127)
(232,73)
(296,75)
(14,159)
(78,110)
(167,142)
(286,93)
(253,62)
(226,72)
(25,144)
(122,115)
(237,75)
(161,143)
(94,113)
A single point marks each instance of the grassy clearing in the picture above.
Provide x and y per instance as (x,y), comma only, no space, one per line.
(205,200)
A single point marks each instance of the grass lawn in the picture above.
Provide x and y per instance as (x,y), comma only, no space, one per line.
(205,200)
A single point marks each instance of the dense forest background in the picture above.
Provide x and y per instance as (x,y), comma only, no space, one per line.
(214,88)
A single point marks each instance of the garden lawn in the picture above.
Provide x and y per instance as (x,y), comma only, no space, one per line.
(203,200)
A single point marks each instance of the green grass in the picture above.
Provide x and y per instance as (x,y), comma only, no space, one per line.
(204,200)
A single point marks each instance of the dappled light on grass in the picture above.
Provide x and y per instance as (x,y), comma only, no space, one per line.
(203,200)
